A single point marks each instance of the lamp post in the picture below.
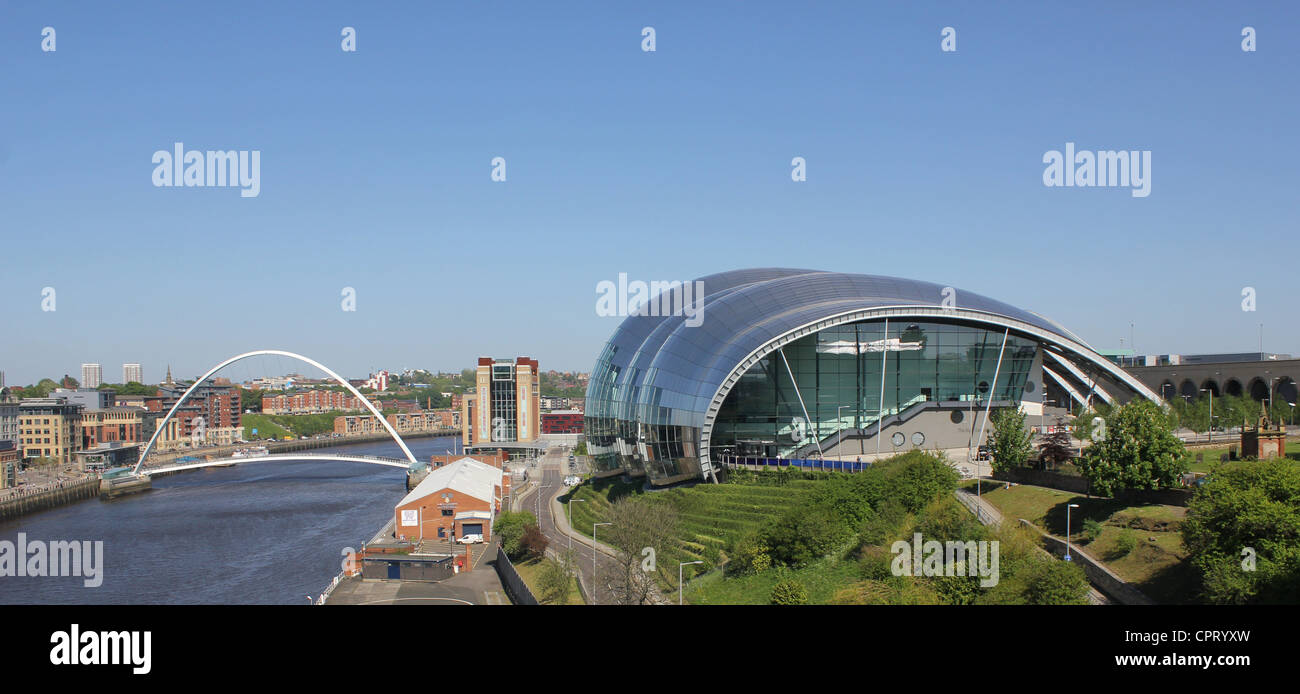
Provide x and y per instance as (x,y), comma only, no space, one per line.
(570,505)
(1067,530)
(594,583)
(840,422)
(1210,434)
(679,578)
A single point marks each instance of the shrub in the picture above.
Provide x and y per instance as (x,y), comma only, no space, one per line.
(805,534)
(533,542)
(1247,505)
(1123,546)
(553,581)
(1091,530)
(510,527)
(749,555)
(789,592)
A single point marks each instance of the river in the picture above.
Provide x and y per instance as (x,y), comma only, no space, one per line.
(256,533)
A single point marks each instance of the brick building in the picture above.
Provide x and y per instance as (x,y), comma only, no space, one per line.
(562,422)
(460,498)
(311,402)
(111,425)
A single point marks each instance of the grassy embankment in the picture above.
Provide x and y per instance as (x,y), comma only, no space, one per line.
(710,516)
(528,571)
(1141,543)
(279,426)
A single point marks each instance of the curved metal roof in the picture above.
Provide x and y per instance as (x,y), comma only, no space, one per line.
(663,362)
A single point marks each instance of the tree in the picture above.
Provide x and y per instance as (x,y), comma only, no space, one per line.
(1057,447)
(1137,450)
(789,592)
(805,534)
(1242,533)
(640,531)
(1082,424)
(510,527)
(1010,443)
(533,542)
(554,579)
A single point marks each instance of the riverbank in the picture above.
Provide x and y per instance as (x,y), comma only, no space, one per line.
(31,502)
(21,503)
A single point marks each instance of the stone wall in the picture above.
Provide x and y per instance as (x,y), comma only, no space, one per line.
(1098,575)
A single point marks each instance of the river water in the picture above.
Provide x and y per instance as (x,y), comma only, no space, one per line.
(257,533)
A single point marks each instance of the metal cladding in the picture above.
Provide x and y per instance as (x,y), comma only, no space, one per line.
(658,375)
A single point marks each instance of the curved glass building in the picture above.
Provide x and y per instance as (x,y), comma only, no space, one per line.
(805,364)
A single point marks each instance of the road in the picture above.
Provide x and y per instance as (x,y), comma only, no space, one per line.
(552,467)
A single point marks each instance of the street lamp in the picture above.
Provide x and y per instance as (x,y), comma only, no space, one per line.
(841,423)
(1067,529)
(594,583)
(679,578)
(1210,434)
(570,505)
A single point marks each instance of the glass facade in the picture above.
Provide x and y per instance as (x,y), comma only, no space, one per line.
(838,372)
(654,381)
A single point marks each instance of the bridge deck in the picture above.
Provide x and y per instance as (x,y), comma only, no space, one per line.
(371,459)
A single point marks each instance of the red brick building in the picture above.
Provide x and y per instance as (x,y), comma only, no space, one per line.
(562,422)
(460,498)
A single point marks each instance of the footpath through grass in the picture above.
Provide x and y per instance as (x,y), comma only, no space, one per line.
(1141,543)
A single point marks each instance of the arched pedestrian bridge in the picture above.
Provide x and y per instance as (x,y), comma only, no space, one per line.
(241,460)
(162,424)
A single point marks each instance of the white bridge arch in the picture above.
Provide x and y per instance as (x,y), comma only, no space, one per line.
(279,353)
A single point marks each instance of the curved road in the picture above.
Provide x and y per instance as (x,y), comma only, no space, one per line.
(552,468)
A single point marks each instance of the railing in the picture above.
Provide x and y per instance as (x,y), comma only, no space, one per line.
(270,456)
(732,462)
(976,508)
(30,491)
(513,583)
(329,589)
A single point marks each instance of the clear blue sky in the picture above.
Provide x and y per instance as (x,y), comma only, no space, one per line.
(667,165)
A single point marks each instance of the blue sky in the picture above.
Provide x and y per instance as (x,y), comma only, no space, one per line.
(375,170)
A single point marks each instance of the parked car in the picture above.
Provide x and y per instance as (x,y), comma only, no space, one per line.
(471,539)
